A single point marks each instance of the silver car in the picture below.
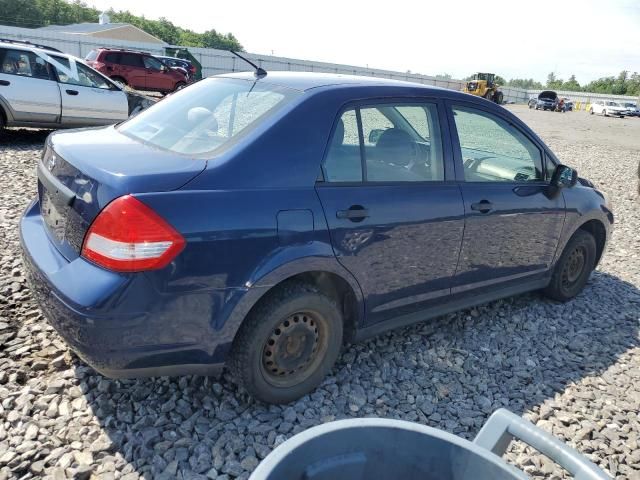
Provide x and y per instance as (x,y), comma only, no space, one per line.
(43,87)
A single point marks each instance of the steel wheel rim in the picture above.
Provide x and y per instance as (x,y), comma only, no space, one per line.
(294,349)
(574,266)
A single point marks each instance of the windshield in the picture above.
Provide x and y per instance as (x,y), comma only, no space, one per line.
(612,104)
(208,115)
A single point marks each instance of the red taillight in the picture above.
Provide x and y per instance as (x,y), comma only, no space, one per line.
(127,236)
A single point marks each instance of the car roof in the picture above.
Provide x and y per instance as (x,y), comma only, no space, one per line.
(30,48)
(307,80)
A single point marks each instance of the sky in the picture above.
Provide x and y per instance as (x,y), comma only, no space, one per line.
(515,39)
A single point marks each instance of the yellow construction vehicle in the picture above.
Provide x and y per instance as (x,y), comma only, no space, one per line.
(484,85)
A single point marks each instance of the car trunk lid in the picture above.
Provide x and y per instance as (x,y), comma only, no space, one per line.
(82,171)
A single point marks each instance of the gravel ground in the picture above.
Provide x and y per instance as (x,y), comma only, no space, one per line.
(573,369)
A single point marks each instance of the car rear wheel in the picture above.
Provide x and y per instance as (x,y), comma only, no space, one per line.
(591,111)
(287,345)
(604,112)
(573,268)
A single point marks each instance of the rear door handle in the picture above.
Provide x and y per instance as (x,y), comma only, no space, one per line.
(483,206)
(355,213)
(5,83)
(72,92)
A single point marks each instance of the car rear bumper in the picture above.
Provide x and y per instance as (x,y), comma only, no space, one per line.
(119,323)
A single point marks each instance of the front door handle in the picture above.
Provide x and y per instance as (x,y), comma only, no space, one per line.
(5,83)
(72,92)
(483,206)
(355,213)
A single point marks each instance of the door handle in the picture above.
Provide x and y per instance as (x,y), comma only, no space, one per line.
(72,92)
(5,83)
(483,206)
(355,213)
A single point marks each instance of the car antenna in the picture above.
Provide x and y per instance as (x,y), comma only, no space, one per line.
(259,73)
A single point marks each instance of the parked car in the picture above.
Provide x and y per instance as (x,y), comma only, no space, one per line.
(268,219)
(607,108)
(38,88)
(139,70)
(547,100)
(568,105)
(180,63)
(632,109)
(532,102)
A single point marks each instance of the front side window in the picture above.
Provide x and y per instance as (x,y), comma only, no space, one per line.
(23,63)
(400,143)
(495,151)
(208,116)
(86,76)
(152,63)
(91,56)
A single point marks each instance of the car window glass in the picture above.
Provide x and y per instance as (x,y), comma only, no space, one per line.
(396,151)
(112,57)
(152,63)
(343,162)
(91,56)
(495,151)
(86,76)
(131,59)
(23,63)
(373,119)
(208,115)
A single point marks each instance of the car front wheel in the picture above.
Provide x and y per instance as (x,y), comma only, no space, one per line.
(573,268)
(287,344)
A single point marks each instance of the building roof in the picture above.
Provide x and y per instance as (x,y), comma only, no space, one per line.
(84,27)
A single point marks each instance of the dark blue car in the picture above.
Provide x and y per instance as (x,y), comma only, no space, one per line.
(264,222)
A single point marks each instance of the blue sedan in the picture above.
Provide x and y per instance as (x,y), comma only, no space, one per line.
(263,221)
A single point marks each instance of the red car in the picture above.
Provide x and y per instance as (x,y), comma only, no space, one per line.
(139,70)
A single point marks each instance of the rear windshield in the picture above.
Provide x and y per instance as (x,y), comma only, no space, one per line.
(208,115)
(91,56)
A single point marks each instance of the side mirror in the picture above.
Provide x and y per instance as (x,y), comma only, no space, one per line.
(374,135)
(564,177)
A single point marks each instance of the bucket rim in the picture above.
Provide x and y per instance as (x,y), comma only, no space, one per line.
(282,451)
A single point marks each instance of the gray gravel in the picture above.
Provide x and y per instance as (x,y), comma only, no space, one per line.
(574,369)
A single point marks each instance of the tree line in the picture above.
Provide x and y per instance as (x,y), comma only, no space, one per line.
(624,84)
(40,13)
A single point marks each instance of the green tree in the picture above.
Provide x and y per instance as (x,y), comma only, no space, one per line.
(571,84)
(38,13)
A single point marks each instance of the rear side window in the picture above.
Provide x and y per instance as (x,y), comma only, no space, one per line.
(131,60)
(495,151)
(112,57)
(208,116)
(400,143)
(91,56)
(23,63)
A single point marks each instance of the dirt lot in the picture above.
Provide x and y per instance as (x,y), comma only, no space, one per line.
(574,369)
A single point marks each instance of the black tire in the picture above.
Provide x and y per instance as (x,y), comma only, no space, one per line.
(261,360)
(591,111)
(573,268)
(179,86)
(498,97)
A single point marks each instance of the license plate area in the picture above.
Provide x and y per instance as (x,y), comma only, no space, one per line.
(53,214)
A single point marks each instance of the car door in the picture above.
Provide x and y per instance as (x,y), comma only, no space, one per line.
(87,97)
(394,212)
(512,223)
(157,77)
(133,70)
(27,88)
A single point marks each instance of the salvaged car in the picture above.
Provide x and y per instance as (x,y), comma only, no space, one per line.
(262,221)
(42,87)
(547,100)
